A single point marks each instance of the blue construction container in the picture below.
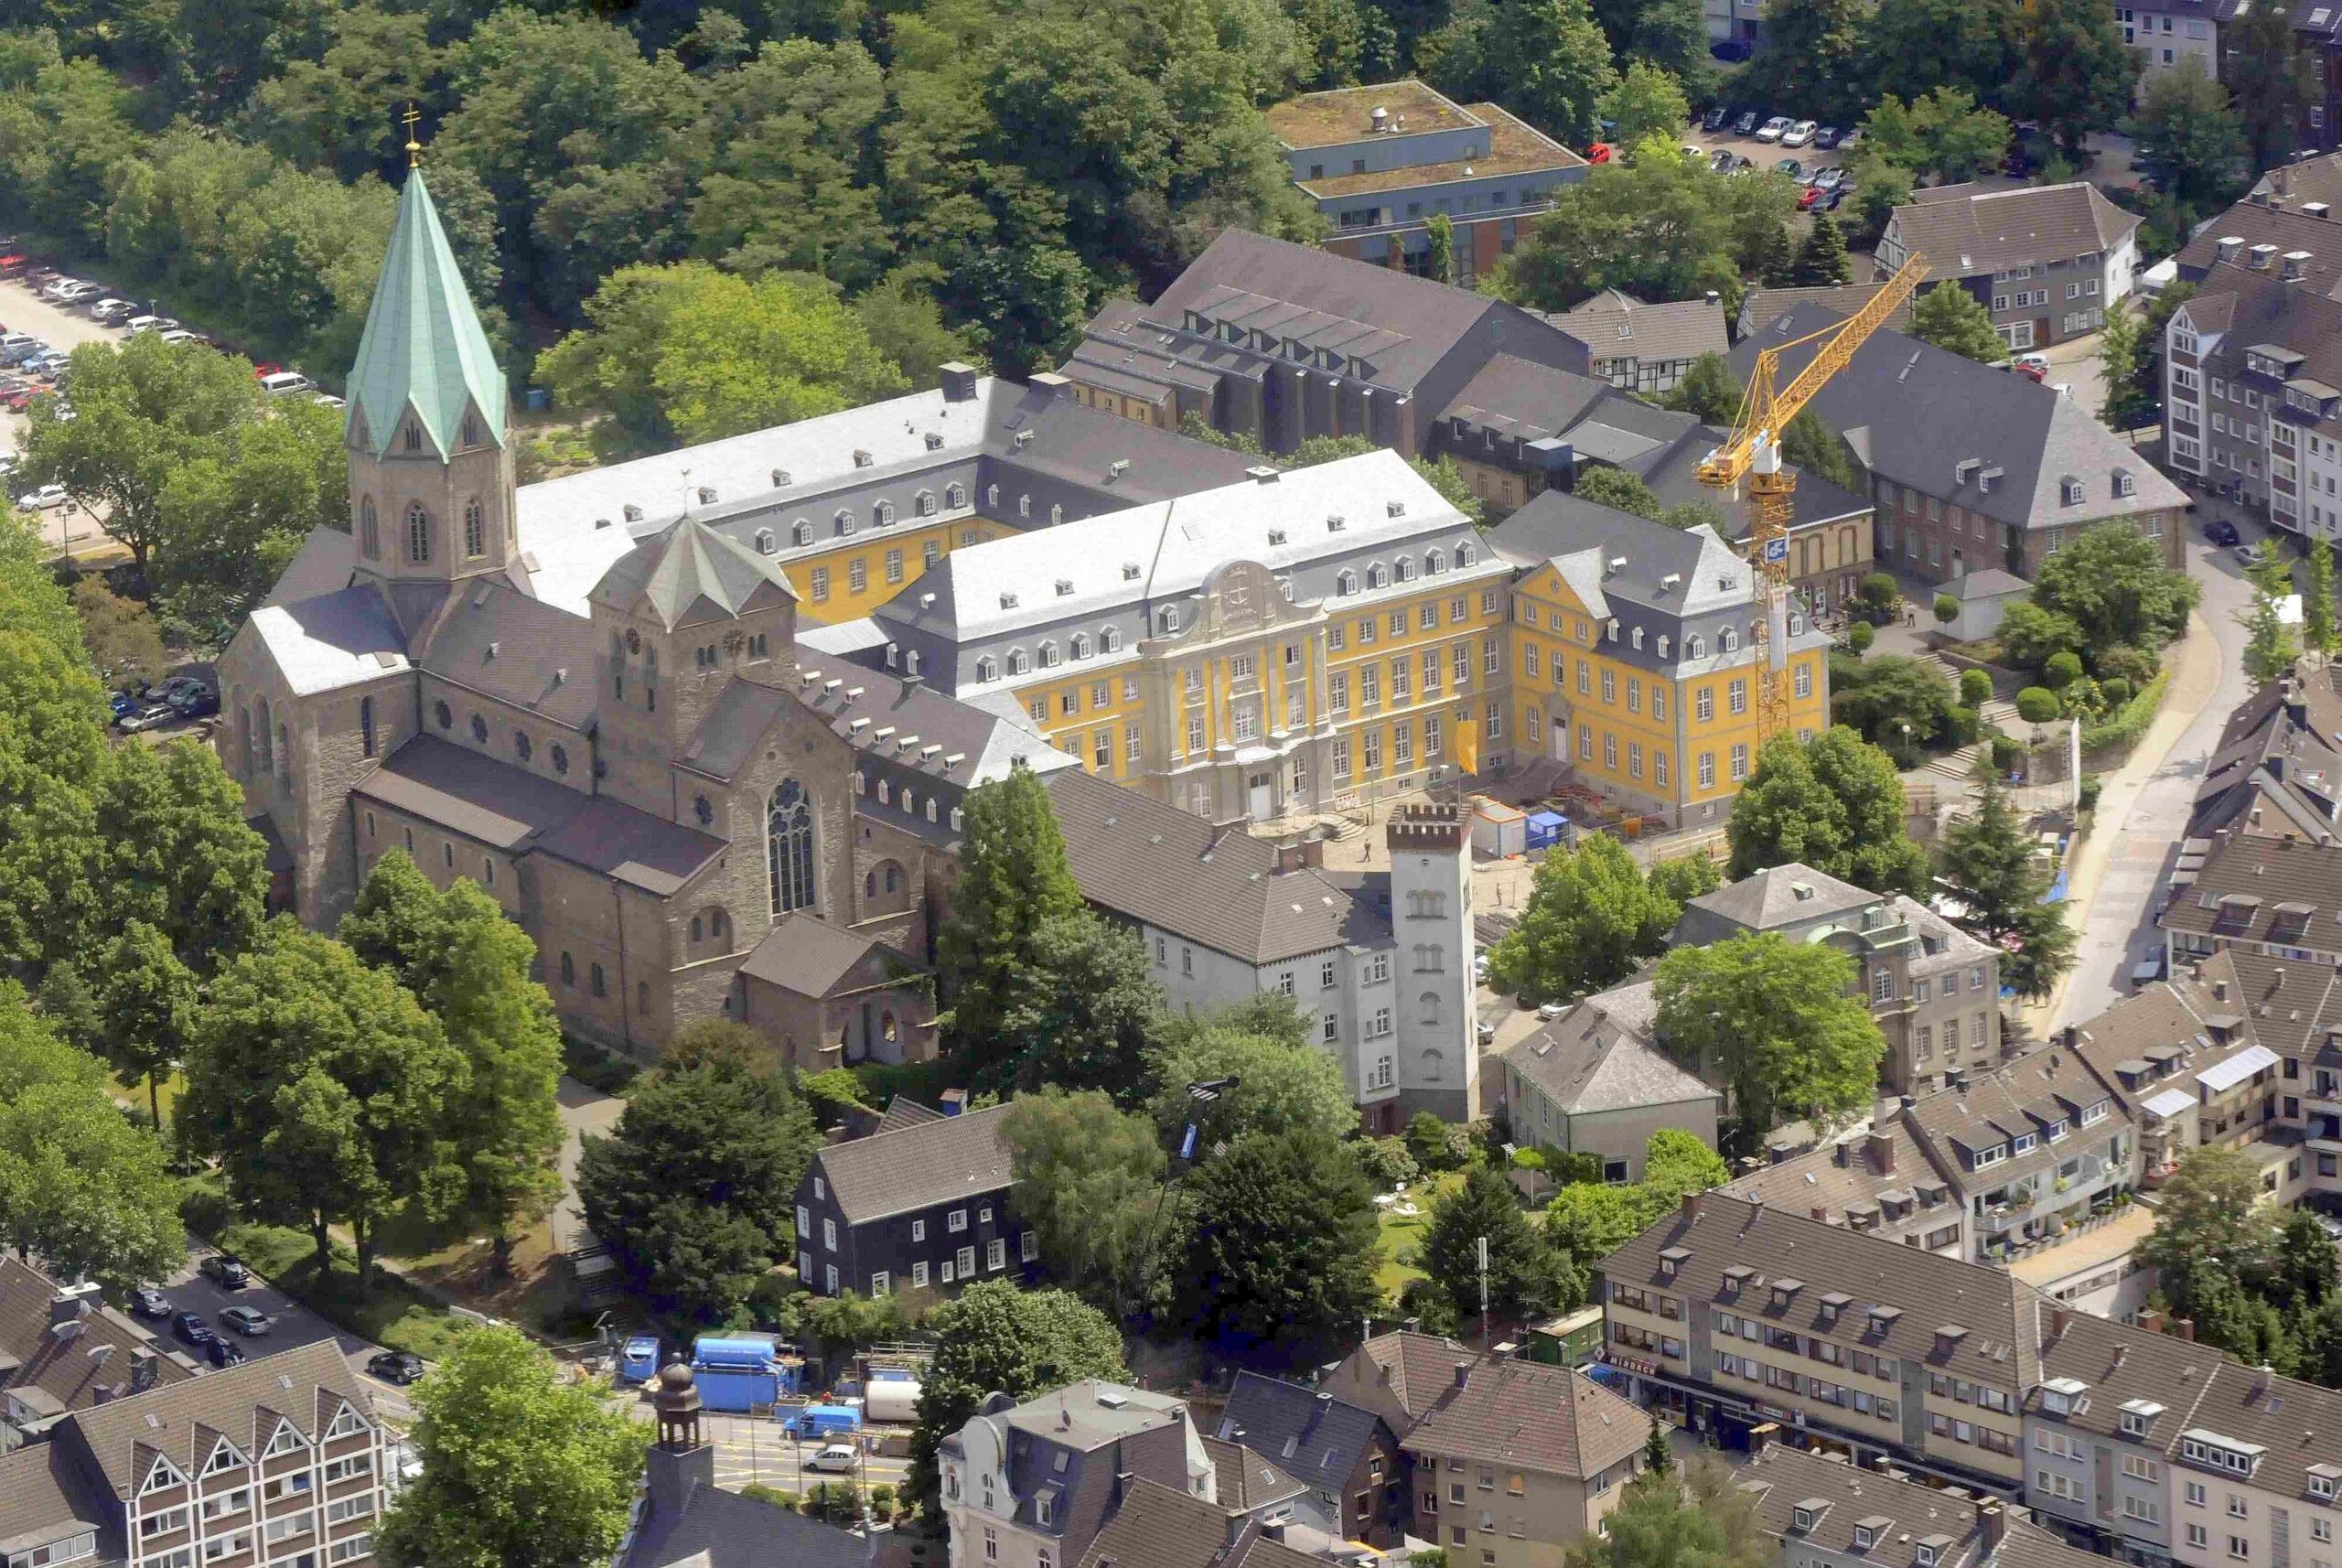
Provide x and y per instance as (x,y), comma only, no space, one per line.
(741,1371)
(822,1420)
(639,1358)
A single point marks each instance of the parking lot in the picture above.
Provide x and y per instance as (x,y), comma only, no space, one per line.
(22,309)
(296,1326)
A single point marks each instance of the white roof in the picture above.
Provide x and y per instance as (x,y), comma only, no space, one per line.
(2170,1103)
(334,639)
(1165,549)
(2226,1075)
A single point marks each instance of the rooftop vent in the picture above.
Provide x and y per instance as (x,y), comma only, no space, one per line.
(2314,209)
(1262,474)
(1334,522)
(1276,536)
(633,512)
(861,459)
(934,440)
(1130,571)
(1008,601)
(1394,508)
(2295,261)
(2228,247)
(1118,467)
(2261,256)
(780,478)
(1065,586)
(707,495)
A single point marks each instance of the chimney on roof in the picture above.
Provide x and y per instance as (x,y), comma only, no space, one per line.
(71,1303)
(1379,118)
(2150,1319)
(1462,1373)
(959,382)
(1691,1205)
(1313,851)
(2264,256)
(2184,1328)
(1994,1524)
(2314,209)
(1289,856)
(2058,1319)
(1880,1149)
(2294,261)
(2261,1376)
(145,1367)
(2219,991)
(2228,247)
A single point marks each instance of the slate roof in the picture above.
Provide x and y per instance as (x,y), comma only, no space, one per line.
(1554,1420)
(44,1496)
(904,1112)
(1672,472)
(2120,1365)
(934,1162)
(1150,861)
(1156,1526)
(715,1528)
(2277,769)
(2296,185)
(1316,1438)
(1524,400)
(806,954)
(1558,524)
(497,641)
(306,1385)
(691,573)
(423,346)
(335,640)
(1421,1366)
(1599,1055)
(1965,230)
(1901,1514)
(1990,582)
(1615,324)
(2283,226)
(1244,1481)
(1913,413)
(2259,889)
(2025,1096)
(511,809)
(66,1374)
(1765,306)
(1885,1159)
(1770,900)
(2290,1007)
(1923,1290)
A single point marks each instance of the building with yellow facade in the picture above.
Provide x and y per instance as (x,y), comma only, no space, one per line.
(1634,651)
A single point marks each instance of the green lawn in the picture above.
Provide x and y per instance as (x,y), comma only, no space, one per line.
(393,1314)
(1406,1231)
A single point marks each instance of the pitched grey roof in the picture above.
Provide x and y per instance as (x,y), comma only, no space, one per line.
(1156,1526)
(2026,1096)
(1316,1438)
(307,1385)
(339,638)
(1987,583)
(1599,1055)
(2253,888)
(1245,1480)
(712,1528)
(45,1497)
(806,954)
(497,641)
(965,1155)
(2029,1545)
(691,573)
(1672,472)
(2283,226)
(1839,1496)
(1765,305)
(1614,326)
(1965,230)
(1915,413)
(1147,859)
(51,1373)
(1780,896)
(1849,1178)
(1523,399)
(1554,1420)
(2264,309)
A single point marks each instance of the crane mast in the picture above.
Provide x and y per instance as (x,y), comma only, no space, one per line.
(1753,452)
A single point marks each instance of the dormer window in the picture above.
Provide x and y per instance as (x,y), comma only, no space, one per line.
(2070,492)
(861,459)
(2324,1481)
(1924,1556)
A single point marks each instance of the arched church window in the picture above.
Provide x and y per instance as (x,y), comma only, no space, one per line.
(788,840)
(475,530)
(370,532)
(418,533)
(445,714)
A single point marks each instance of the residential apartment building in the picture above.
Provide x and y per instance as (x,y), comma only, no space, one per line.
(1031,1484)
(1728,1314)
(1156,1526)
(1967,470)
(1933,989)
(2100,1429)
(62,1349)
(921,1207)
(278,1463)
(1641,347)
(1381,162)
(2169,34)
(2278,767)
(1827,1513)
(1594,1082)
(2033,1149)
(1278,343)
(1344,1456)
(1876,1179)
(1516,1461)
(2047,261)
(2262,893)
(1636,658)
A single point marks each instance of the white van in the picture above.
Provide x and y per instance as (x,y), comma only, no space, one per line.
(284,381)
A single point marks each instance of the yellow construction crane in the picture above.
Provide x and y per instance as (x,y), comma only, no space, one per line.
(1753,451)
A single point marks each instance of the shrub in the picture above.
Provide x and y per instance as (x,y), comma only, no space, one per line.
(205,1209)
(1386,1161)
(2115,690)
(596,1069)
(2128,722)
(1947,608)
(882,1498)
(1963,725)
(1879,595)
(1975,688)
(2123,661)
(833,1094)
(1860,636)
(2006,753)
(2090,785)
(2036,704)
(772,1495)
(2062,669)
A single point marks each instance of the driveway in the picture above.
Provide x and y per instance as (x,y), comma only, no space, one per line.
(2118,930)
(582,1111)
(296,1324)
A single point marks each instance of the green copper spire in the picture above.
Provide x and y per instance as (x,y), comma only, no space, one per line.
(423,346)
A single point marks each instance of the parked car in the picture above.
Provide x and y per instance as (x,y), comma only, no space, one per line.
(1746,125)
(2219,530)
(1827,136)
(45,499)
(264,369)
(1810,198)
(16,398)
(112,310)
(400,1367)
(1774,129)
(1791,167)
(148,715)
(1712,122)
(223,1352)
(137,324)
(57,285)
(2248,554)
(1829,177)
(196,704)
(1732,52)
(2035,366)
(151,1303)
(190,1326)
(181,335)
(1799,134)
(838,1456)
(1694,154)
(75,293)
(1722,160)
(172,688)
(122,702)
(248,1321)
(1849,139)
(227,1273)
(1552,1010)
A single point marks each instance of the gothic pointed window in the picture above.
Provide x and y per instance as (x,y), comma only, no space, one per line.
(475,530)
(788,835)
(370,533)
(471,430)
(418,533)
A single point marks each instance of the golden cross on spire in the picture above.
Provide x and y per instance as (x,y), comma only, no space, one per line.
(413,148)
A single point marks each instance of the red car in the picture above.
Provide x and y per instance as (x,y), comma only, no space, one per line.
(1810,198)
(1599,153)
(16,399)
(14,264)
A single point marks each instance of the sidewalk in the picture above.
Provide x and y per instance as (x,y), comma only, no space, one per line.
(2196,664)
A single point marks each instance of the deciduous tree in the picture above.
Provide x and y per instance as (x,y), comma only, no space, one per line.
(2076,72)
(2317,598)
(147,1004)
(174,852)
(995,1339)
(1283,1084)
(1833,803)
(2274,78)
(1618,489)
(1949,316)
(1090,1184)
(1648,108)
(1775,1021)
(1283,1251)
(2272,643)
(1013,879)
(2190,134)
(1591,917)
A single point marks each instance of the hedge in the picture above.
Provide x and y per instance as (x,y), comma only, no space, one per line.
(2131,720)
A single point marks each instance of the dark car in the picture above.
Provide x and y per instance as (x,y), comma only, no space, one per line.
(1827,136)
(1749,122)
(223,1352)
(1722,160)
(151,1303)
(400,1367)
(226,1272)
(1713,120)
(190,1326)
(1732,50)
(2219,530)
(196,704)
(1791,167)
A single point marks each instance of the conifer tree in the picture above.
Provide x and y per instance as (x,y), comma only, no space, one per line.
(1989,863)
(1013,880)
(1823,258)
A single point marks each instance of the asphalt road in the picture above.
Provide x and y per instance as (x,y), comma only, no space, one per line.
(296,1326)
(748,1450)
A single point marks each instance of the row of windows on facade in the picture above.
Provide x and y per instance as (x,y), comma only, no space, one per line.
(1426,619)
(843,523)
(1694,645)
(960,1265)
(1706,764)
(1369,678)
(857,570)
(1703,699)
(419,531)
